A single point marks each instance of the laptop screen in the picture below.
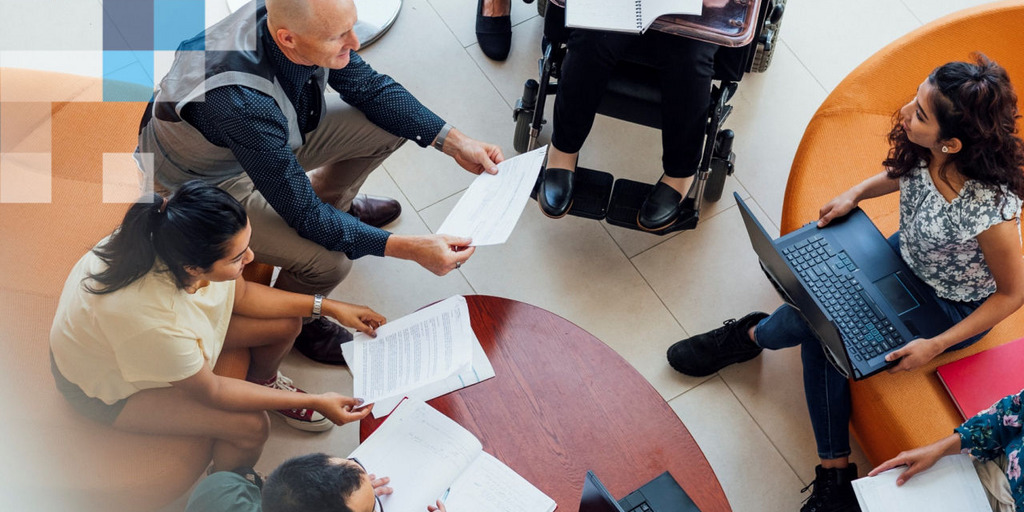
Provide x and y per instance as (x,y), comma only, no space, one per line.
(596,498)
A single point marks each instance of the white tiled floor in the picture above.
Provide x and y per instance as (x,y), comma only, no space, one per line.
(637,292)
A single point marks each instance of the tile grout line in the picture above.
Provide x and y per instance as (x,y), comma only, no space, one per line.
(761,429)
(804,65)
(648,283)
(424,221)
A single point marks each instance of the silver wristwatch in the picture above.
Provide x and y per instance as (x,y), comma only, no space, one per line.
(318,303)
(438,143)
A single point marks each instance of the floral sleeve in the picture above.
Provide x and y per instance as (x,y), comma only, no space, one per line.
(989,433)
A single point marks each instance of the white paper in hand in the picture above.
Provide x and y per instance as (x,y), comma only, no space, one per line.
(951,485)
(490,208)
(418,349)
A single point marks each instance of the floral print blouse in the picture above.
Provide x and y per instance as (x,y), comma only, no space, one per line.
(937,237)
(996,431)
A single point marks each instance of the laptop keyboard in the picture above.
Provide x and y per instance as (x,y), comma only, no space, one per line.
(827,273)
(643,507)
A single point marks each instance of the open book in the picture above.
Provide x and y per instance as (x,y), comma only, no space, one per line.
(951,485)
(624,15)
(429,457)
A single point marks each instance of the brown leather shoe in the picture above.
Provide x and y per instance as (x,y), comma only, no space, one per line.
(320,340)
(376,211)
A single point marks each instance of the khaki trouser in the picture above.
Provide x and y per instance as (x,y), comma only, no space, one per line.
(357,146)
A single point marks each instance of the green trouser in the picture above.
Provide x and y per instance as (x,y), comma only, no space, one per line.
(225,491)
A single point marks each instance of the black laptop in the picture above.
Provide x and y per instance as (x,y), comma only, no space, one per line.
(662,494)
(854,290)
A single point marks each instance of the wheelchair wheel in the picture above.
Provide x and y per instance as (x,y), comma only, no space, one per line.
(521,139)
(770,36)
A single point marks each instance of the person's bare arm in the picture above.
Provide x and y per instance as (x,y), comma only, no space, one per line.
(238,395)
(259,301)
(439,254)
(875,186)
(920,459)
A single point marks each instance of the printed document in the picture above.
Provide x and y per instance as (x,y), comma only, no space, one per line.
(951,485)
(428,456)
(479,370)
(491,206)
(422,348)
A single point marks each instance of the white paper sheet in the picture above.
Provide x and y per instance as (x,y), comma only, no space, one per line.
(422,348)
(625,15)
(421,450)
(479,370)
(491,206)
(428,456)
(488,484)
(951,485)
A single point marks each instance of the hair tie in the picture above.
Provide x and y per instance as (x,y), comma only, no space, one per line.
(163,206)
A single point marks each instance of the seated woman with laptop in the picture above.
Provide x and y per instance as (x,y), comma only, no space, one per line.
(146,313)
(957,160)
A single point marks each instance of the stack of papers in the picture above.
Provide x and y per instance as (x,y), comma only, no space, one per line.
(422,355)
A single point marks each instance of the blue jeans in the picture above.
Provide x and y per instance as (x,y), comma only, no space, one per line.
(827,391)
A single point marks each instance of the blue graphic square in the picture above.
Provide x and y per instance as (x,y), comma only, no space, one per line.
(128,25)
(177,20)
(127,76)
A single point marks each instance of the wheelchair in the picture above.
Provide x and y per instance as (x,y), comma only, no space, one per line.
(633,95)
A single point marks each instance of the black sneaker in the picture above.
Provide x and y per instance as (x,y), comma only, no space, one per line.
(832,491)
(320,340)
(704,354)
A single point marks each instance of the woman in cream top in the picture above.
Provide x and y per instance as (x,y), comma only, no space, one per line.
(144,316)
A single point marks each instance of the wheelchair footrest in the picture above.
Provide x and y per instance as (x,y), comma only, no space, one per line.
(629,195)
(591,190)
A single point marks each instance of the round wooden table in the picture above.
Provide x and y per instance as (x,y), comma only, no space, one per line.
(562,402)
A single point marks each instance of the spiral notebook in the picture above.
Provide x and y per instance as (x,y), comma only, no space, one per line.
(624,15)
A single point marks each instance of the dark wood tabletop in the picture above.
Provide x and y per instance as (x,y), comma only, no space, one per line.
(562,403)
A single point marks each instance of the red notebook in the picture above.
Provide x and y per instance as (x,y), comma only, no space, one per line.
(976,382)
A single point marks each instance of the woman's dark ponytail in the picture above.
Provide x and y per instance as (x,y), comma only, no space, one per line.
(190,229)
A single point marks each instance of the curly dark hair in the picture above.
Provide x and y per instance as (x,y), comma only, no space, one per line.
(976,104)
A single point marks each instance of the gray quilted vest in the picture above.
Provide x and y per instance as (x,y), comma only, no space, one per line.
(230,52)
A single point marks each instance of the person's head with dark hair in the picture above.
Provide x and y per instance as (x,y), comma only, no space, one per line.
(318,483)
(199,233)
(965,119)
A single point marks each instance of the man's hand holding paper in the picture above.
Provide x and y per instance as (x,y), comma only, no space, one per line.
(491,206)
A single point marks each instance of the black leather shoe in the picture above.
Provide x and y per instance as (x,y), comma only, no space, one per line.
(494,33)
(704,354)
(320,340)
(660,209)
(555,192)
(375,210)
